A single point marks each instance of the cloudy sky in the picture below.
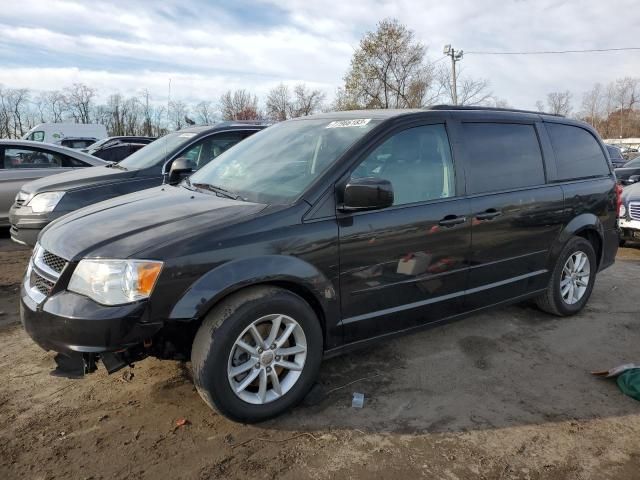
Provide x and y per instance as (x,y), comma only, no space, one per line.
(208,47)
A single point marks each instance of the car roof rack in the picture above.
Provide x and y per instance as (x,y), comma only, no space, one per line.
(491,109)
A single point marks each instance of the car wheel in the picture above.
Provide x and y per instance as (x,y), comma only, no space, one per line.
(622,242)
(572,280)
(257,354)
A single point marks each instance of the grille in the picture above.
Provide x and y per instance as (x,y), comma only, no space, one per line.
(634,210)
(54,262)
(40,283)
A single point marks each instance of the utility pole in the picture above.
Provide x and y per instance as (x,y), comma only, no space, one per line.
(456,56)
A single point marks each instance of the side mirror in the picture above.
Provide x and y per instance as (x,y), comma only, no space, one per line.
(179,168)
(368,193)
(634,179)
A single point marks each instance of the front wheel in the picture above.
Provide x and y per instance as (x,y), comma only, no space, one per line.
(572,280)
(257,354)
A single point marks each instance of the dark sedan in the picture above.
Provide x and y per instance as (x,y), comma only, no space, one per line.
(615,155)
(629,173)
(22,161)
(148,167)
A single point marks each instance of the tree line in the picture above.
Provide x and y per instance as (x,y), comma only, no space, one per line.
(389,69)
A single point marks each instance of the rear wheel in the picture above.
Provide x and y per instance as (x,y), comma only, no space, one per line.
(257,354)
(572,280)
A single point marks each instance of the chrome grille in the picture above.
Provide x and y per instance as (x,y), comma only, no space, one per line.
(634,210)
(54,262)
(40,283)
(42,274)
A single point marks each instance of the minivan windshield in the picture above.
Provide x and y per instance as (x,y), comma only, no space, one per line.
(277,164)
(156,152)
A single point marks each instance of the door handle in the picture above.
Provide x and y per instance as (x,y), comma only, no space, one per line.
(489,214)
(451,220)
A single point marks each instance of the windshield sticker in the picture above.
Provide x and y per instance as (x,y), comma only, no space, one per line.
(359,122)
(187,135)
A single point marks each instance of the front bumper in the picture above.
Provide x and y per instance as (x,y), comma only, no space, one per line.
(629,229)
(26,225)
(67,322)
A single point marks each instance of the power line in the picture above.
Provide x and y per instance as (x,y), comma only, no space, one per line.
(546,52)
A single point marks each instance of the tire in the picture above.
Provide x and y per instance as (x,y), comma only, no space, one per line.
(552,300)
(622,242)
(216,352)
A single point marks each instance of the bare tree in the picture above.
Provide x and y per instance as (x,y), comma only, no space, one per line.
(279,103)
(239,105)
(205,114)
(388,70)
(147,128)
(177,112)
(79,100)
(592,105)
(559,103)
(306,101)
(471,91)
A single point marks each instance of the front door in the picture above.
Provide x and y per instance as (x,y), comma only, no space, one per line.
(405,265)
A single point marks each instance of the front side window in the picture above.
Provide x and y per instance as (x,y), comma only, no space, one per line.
(416,161)
(501,156)
(202,153)
(30,158)
(633,163)
(578,154)
(277,164)
(158,152)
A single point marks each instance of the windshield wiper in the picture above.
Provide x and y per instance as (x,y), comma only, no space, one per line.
(218,190)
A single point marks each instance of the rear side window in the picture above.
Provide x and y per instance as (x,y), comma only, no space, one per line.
(501,156)
(578,154)
(614,153)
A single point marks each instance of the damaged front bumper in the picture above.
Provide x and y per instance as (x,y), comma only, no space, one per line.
(82,331)
(629,229)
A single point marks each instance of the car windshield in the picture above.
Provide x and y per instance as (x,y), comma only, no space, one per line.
(100,143)
(633,163)
(278,164)
(156,152)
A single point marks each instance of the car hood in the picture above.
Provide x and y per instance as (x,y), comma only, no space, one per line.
(123,226)
(632,192)
(78,178)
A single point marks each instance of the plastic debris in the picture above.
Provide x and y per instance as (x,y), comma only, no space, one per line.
(181,422)
(358,400)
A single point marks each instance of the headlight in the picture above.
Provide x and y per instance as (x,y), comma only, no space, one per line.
(45,202)
(115,282)
(623,210)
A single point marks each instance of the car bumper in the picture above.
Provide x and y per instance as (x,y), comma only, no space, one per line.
(630,229)
(69,323)
(26,225)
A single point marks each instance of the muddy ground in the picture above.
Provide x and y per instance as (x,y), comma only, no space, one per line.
(501,395)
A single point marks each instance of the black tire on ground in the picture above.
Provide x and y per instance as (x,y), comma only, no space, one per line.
(551,300)
(214,342)
(622,242)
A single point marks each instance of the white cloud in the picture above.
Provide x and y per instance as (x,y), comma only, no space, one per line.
(206,49)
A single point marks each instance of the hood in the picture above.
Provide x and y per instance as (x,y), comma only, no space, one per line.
(123,226)
(632,192)
(78,178)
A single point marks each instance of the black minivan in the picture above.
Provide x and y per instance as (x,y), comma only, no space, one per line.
(324,233)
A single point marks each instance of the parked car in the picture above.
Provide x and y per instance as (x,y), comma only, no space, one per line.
(114,149)
(629,173)
(77,143)
(22,161)
(322,234)
(145,168)
(629,221)
(54,132)
(617,160)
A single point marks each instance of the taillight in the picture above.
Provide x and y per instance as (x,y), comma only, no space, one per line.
(618,197)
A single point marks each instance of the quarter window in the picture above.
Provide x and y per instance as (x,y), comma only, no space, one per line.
(578,154)
(501,156)
(416,161)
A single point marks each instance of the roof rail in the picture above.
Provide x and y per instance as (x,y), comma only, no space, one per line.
(492,109)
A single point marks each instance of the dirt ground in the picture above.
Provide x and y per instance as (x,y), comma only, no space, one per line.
(501,395)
